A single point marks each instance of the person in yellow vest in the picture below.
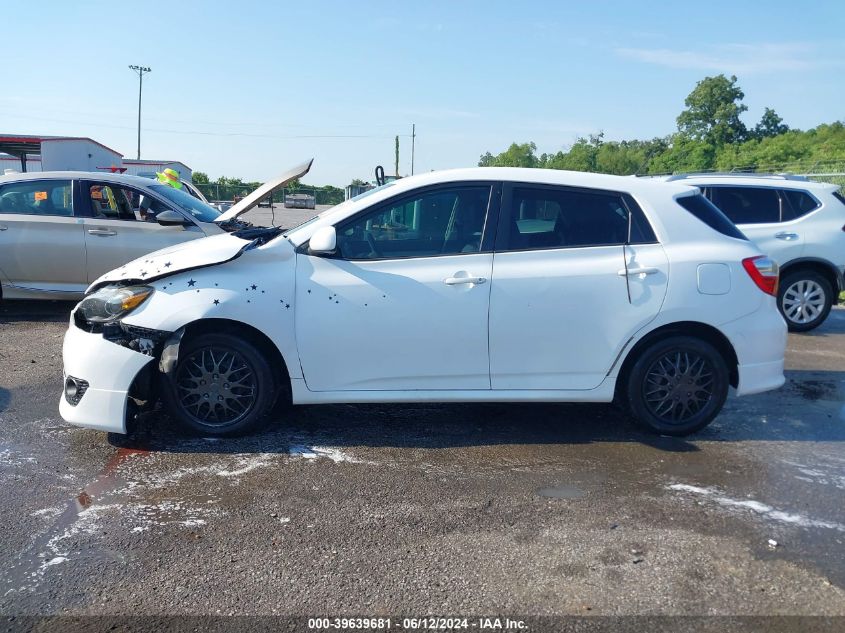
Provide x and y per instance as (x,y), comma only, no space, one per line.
(169,177)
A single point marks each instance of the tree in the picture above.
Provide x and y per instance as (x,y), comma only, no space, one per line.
(357,182)
(712,114)
(770,125)
(517,155)
(199,178)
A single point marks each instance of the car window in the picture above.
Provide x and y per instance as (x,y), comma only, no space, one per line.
(110,201)
(798,203)
(708,213)
(748,205)
(185,201)
(37,197)
(444,221)
(563,218)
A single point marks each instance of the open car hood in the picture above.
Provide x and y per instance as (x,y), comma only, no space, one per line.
(265,190)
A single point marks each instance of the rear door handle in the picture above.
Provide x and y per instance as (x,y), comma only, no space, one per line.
(637,271)
(101,232)
(454,281)
(787,237)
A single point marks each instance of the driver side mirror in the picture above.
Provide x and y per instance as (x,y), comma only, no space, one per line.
(323,242)
(169,217)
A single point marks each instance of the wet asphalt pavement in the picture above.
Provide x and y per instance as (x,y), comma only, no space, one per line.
(424,509)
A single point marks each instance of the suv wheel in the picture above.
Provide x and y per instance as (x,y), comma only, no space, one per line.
(804,300)
(677,386)
(221,386)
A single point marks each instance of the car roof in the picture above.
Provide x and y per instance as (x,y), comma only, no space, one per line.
(777,181)
(610,182)
(138,181)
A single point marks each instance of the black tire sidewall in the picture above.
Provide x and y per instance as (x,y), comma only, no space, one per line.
(265,386)
(636,401)
(815,277)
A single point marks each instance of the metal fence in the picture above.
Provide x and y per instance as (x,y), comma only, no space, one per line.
(228,193)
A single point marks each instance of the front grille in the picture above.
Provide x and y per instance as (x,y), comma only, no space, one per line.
(75,388)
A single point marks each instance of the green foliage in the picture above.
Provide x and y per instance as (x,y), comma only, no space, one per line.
(199,178)
(710,136)
(770,125)
(712,114)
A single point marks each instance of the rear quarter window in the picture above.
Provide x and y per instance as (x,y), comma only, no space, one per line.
(798,203)
(710,214)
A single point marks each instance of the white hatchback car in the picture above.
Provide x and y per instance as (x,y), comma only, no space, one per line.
(485,284)
(798,223)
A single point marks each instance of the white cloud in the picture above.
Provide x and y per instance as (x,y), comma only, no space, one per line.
(735,58)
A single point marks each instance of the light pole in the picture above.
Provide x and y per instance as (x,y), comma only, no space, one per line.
(140,70)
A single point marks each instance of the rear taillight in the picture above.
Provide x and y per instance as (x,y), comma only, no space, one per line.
(764,272)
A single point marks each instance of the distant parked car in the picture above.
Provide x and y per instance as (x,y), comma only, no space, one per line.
(61,230)
(474,285)
(300,201)
(798,223)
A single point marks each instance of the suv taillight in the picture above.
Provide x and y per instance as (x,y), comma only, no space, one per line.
(764,272)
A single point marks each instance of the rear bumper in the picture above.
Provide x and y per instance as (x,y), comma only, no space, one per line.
(109,369)
(759,341)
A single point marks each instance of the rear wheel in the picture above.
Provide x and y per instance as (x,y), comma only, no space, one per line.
(221,386)
(677,386)
(804,299)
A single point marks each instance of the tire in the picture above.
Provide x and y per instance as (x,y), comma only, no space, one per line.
(221,386)
(804,299)
(664,406)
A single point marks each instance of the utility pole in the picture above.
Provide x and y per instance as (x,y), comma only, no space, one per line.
(413,138)
(140,70)
(396,163)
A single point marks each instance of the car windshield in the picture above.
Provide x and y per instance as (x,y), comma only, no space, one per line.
(185,201)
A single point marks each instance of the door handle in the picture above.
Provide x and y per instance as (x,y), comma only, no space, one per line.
(787,237)
(637,271)
(101,232)
(454,281)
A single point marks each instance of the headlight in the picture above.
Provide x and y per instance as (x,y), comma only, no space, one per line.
(111,303)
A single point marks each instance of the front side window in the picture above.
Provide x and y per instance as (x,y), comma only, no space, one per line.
(110,201)
(748,205)
(37,197)
(443,221)
(543,218)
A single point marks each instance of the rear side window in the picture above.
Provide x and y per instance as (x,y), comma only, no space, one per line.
(838,195)
(748,205)
(708,213)
(37,197)
(542,218)
(797,203)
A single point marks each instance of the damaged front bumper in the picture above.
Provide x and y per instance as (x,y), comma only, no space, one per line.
(106,372)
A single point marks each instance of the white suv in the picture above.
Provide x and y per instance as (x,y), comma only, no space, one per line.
(798,223)
(486,284)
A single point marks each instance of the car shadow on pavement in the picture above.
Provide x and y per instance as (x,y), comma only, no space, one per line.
(5,397)
(51,311)
(423,426)
(810,407)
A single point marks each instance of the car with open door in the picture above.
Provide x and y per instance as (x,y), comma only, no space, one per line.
(472,285)
(59,231)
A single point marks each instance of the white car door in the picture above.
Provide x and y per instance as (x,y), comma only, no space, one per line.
(119,230)
(403,303)
(559,305)
(763,215)
(42,244)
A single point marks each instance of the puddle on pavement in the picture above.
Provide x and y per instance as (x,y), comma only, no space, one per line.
(45,552)
(578,486)
(820,389)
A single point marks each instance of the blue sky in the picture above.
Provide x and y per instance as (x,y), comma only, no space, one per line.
(248,88)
